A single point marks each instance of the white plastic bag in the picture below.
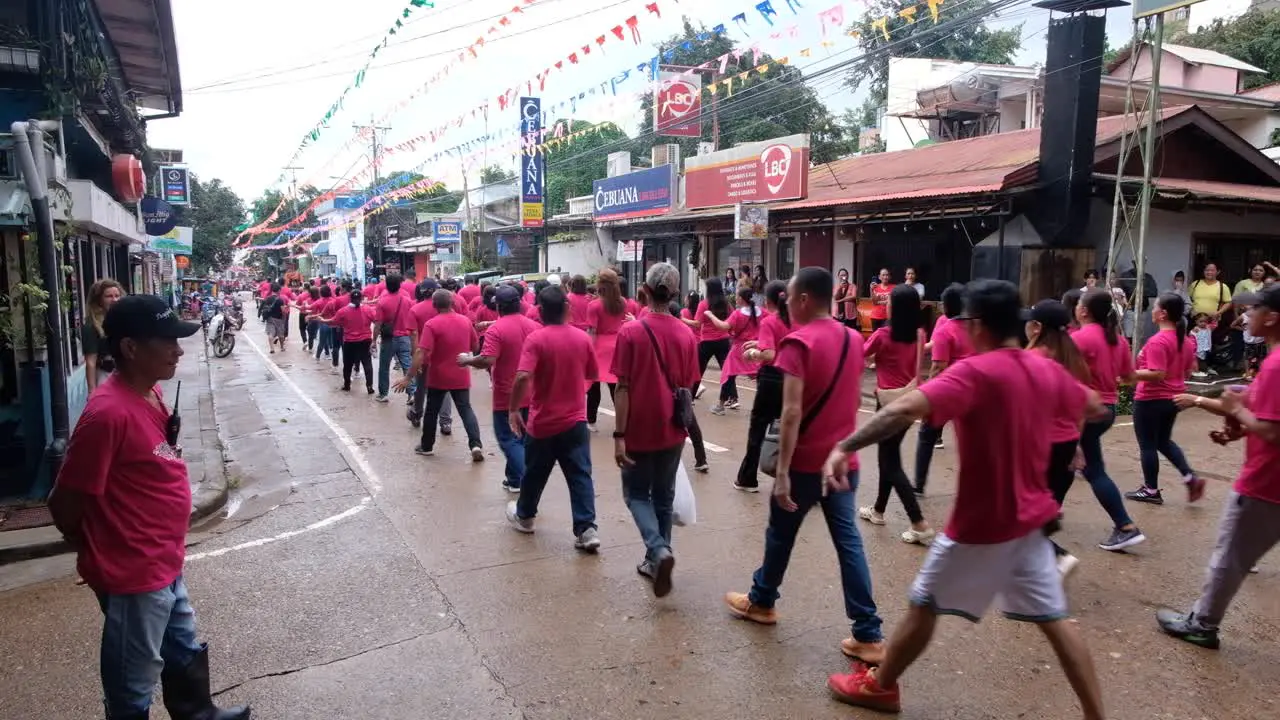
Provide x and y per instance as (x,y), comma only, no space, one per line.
(684,508)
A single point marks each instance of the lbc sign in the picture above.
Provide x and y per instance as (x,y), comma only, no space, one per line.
(753,172)
(677,105)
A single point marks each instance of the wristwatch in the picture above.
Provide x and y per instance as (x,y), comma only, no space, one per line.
(618,435)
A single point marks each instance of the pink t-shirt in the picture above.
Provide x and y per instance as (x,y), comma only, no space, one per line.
(812,353)
(469,293)
(1161,353)
(484,314)
(897,363)
(599,319)
(422,312)
(444,337)
(138,499)
(322,308)
(1062,428)
(578,307)
(938,324)
(772,330)
(503,342)
(649,420)
(560,361)
(264,289)
(950,343)
(355,322)
(534,314)
(371,291)
(396,308)
(707,330)
(687,314)
(1001,403)
(1260,475)
(1107,363)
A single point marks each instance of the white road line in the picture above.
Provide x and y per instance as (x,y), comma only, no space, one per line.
(708,445)
(317,525)
(367,474)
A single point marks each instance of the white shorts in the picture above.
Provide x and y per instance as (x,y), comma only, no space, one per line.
(959,579)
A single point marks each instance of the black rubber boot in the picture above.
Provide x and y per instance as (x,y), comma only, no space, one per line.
(186,692)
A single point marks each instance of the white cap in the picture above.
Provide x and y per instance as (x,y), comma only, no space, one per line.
(553,280)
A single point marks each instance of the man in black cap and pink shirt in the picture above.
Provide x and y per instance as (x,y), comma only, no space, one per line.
(123,501)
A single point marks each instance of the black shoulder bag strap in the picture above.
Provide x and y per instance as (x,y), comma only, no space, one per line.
(810,416)
(681,397)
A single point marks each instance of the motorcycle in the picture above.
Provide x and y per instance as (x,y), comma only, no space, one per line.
(234,310)
(222,338)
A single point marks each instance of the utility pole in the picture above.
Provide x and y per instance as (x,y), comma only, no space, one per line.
(293,193)
(374,148)
(466,205)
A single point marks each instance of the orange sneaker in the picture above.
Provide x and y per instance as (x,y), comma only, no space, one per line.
(870,653)
(741,606)
(860,688)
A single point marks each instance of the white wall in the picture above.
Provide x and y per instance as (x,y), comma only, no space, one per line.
(1256,130)
(907,77)
(584,257)
(841,254)
(1018,231)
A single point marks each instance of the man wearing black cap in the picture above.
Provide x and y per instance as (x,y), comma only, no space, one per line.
(122,500)
(423,311)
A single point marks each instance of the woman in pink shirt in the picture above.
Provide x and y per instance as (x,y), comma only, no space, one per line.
(899,347)
(743,326)
(579,302)
(1164,364)
(713,342)
(1110,363)
(356,321)
(880,290)
(605,315)
(691,302)
(767,407)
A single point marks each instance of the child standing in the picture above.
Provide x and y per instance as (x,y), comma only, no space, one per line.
(1255,347)
(1203,334)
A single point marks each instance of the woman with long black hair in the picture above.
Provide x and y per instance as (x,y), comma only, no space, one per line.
(898,348)
(1048,327)
(744,326)
(768,404)
(713,342)
(605,314)
(1164,364)
(1107,355)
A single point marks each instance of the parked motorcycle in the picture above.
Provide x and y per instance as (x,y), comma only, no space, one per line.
(234,310)
(222,337)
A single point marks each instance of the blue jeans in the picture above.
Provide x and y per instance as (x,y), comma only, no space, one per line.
(780,538)
(325,337)
(572,449)
(512,446)
(141,634)
(1153,425)
(649,489)
(1095,470)
(401,347)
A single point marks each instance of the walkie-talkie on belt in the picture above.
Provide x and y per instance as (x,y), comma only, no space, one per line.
(174,427)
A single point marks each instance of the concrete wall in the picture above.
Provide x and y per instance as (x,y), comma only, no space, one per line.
(581,257)
(1018,231)
(1256,130)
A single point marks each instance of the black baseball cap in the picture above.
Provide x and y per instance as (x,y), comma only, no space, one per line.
(1267,297)
(1050,313)
(144,317)
(507,295)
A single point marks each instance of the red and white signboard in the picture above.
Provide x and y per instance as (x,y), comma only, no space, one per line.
(753,172)
(677,105)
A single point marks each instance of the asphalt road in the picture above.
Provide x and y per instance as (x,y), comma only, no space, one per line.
(354,579)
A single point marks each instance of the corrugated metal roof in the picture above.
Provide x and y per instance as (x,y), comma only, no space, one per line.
(1270,91)
(960,167)
(1208,189)
(1200,56)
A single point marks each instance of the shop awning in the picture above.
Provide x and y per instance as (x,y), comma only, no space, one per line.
(321,248)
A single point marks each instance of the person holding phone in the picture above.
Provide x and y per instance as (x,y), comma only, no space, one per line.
(122,500)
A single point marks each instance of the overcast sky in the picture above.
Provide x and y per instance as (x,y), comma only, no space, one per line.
(259,74)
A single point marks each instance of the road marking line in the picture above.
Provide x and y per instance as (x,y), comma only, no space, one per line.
(317,525)
(708,445)
(367,473)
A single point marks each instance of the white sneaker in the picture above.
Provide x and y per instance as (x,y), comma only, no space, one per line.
(717,409)
(588,541)
(698,393)
(919,537)
(870,515)
(477,454)
(1067,563)
(519,524)
(592,427)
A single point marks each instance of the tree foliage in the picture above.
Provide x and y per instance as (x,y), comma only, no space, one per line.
(761,107)
(969,43)
(1254,37)
(495,174)
(213,214)
(573,166)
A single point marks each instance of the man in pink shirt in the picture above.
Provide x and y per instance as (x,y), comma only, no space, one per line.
(821,362)
(949,345)
(123,501)
(556,363)
(422,311)
(996,545)
(1250,525)
(653,358)
(397,333)
(503,344)
(447,340)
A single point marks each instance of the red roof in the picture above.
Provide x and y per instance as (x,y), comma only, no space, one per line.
(1208,189)
(959,167)
(1270,91)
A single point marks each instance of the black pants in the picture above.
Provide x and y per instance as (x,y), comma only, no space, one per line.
(925,442)
(894,479)
(303,331)
(462,401)
(1153,425)
(707,349)
(1061,475)
(877,324)
(766,409)
(336,345)
(353,353)
(593,400)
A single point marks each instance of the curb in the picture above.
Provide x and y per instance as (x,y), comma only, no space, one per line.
(33,551)
(212,494)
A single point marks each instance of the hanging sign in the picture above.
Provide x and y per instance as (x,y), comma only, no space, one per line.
(637,194)
(157,216)
(677,104)
(178,241)
(630,250)
(752,172)
(175,185)
(532,164)
(128,179)
(750,222)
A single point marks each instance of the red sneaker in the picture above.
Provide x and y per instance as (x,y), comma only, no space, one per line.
(860,688)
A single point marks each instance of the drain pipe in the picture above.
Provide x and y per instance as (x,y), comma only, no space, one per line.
(27,138)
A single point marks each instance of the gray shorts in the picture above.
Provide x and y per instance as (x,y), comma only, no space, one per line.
(1021,575)
(277,327)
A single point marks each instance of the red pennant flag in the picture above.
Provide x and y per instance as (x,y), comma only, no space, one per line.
(505,21)
(653,8)
(632,22)
(542,79)
(600,41)
(559,64)
(493,29)
(573,58)
(586,49)
(617,30)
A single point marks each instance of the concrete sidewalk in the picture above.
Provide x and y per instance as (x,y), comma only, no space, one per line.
(202,450)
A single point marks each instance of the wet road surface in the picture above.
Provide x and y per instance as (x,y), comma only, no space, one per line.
(354,579)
